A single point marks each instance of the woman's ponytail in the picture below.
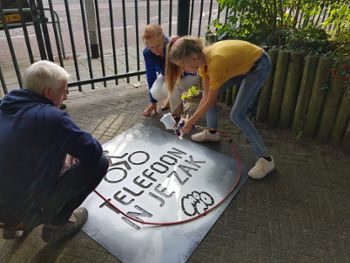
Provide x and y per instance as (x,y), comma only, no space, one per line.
(172,71)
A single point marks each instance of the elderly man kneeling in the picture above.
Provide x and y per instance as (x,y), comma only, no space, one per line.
(38,183)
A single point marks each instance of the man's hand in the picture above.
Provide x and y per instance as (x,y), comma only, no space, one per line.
(70,160)
(151,107)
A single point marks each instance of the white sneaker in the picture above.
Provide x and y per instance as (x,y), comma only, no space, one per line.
(262,167)
(205,135)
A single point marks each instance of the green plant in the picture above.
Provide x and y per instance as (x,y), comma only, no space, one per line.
(192,92)
(325,86)
(297,135)
(301,25)
(195,90)
(339,17)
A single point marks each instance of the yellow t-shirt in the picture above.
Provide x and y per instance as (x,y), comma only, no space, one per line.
(227,59)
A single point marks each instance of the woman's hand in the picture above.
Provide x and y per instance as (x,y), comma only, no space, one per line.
(188,126)
(151,107)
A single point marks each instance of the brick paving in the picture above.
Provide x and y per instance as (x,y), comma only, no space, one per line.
(298,213)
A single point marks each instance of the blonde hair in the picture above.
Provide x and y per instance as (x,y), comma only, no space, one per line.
(151,31)
(179,49)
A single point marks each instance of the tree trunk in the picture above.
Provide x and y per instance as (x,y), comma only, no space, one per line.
(223,97)
(265,95)
(331,106)
(317,97)
(273,18)
(341,119)
(295,21)
(292,89)
(278,87)
(235,91)
(229,97)
(345,145)
(307,81)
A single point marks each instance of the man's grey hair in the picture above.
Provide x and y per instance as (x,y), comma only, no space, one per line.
(44,74)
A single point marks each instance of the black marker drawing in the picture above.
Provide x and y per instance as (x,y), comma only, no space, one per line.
(196,203)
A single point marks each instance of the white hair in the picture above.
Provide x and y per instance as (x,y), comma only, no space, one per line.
(43,74)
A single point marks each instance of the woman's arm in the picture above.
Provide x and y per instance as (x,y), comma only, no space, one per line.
(151,73)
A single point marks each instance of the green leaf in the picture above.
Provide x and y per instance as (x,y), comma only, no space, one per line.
(221,35)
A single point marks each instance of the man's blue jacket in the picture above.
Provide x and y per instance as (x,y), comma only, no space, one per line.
(35,137)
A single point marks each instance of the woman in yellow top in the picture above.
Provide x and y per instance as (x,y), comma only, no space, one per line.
(222,65)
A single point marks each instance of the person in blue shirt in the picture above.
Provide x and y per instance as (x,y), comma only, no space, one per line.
(155,56)
(48,165)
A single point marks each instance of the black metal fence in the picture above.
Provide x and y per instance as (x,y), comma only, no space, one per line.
(92,27)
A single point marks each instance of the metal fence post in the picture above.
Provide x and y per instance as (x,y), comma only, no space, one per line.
(13,55)
(91,21)
(35,13)
(183,15)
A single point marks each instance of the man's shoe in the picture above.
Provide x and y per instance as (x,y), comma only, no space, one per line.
(262,167)
(9,234)
(75,223)
(205,135)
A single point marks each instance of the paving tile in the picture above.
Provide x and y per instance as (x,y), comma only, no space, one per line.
(298,213)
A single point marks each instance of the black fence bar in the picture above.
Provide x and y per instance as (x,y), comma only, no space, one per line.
(8,37)
(184,17)
(100,40)
(183,13)
(25,32)
(113,39)
(86,40)
(72,41)
(137,38)
(59,29)
(226,14)
(125,41)
(159,12)
(191,17)
(37,29)
(218,17)
(170,16)
(200,19)
(210,7)
(148,12)
(56,34)
(325,13)
(2,78)
(301,19)
(43,21)
(107,78)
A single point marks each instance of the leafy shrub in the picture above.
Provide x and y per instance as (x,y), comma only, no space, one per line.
(194,91)
(319,27)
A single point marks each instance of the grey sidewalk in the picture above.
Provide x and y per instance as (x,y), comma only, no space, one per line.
(298,213)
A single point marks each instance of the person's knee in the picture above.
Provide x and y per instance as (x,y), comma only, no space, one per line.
(236,117)
(104,164)
(158,91)
(98,168)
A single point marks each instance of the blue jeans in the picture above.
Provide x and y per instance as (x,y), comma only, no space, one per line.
(252,81)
